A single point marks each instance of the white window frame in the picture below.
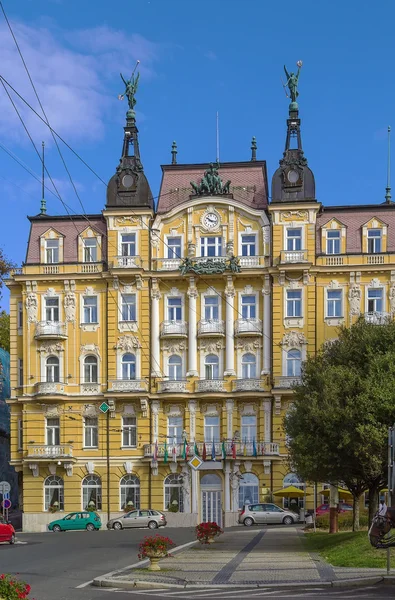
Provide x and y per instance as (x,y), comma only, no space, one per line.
(249,427)
(121,319)
(129,367)
(91,428)
(48,488)
(383,299)
(294,360)
(87,249)
(287,316)
(175,439)
(243,293)
(128,428)
(20,317)
(136,241)
(169,483)
(83,322)
(137,354)
(44,357)
(167,246)
(97,486)
(52,369)
(124,486)
(241,245)
(218,365)
(256,366)
(44,309)
(52,432)
(181,367)
(218,245)
(46,251)
(328,240)
(169,297)
(289,228)
(210,429)
(374,239)
(91,368)
(20,372)
(219,300)
(327,300)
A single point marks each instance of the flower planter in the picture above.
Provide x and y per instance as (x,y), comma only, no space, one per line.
(154,558)
(210,540)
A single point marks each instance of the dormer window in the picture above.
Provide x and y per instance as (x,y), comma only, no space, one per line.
(374,241)
(90,250)
(128,244)
(333,241)
(51,251)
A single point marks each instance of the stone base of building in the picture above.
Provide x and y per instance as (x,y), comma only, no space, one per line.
(231,519)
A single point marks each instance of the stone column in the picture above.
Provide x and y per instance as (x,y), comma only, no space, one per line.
(192,323)
(266,326)
(155,306)
(229,329)
(192,405)
(229,419)
(155,420)
(235,486)
(267,411)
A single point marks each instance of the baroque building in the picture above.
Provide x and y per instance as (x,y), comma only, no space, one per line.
(147,334)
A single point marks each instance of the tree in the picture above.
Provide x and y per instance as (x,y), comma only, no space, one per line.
(338,424)
(5,330)
(5,266)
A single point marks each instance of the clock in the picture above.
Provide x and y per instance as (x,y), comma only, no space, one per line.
(127,181)
(293,176)
(210,220)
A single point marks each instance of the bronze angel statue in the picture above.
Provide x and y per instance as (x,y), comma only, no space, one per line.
(292,81)
(131,86)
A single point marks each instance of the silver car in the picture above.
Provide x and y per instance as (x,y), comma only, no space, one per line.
(252,514)
(138,518)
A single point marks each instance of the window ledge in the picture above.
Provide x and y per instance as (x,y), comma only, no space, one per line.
(293,322)
(90,448)
(334,321)
(127,326)
(89,326)
(128,447)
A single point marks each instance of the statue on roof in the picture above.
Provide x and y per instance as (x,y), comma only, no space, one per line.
(131,86)
(211,183)
(292,82)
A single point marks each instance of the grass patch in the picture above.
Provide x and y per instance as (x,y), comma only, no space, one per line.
(348,549)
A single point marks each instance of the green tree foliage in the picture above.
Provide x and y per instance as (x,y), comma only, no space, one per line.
(5,330)
(338,423)
(5,267)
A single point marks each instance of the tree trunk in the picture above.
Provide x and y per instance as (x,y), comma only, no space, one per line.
(333,508)
(355,518)
(373,501)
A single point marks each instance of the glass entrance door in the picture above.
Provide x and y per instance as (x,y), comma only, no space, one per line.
(211,489)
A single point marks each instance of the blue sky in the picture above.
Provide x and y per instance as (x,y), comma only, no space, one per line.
(197,57)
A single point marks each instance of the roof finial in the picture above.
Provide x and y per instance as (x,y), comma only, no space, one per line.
(388,188)
(217,135)
(131,86)
(174,153)
(43,209)
(253,149)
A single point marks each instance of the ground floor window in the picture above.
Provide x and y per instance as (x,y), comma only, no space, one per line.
(297,502)
(174,499)
(130,492)
(53,493)
(91,493)
(248,490)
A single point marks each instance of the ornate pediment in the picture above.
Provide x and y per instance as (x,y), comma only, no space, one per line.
(127,343)
(293,339)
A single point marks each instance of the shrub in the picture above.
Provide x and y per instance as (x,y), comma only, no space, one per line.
(344,520)
(205,531)
(156,544)
(12,589)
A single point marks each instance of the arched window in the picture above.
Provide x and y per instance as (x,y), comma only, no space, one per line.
(248,366)
(128,366)
(52,369)
(174,499)
(248,489)
(130,492)
(297,502)
(91,493)
(175,367)
(211,364)
(294,363)
(90,369)
(53,493)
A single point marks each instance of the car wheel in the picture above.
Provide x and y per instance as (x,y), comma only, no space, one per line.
(56,528)
(153,525)
(248,522)
(12,540)
(288,521)
(90,527)
(117,525)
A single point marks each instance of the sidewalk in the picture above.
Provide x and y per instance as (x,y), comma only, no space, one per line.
(240,557)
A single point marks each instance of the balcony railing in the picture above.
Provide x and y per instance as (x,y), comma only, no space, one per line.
(167,264)
(49,387)
(45,451)
(50,330)
(287,382)
(210,385)
(128,262)
(250,262)
(173,329)
(211,327)
(90,389)
(293,256)
(375,259)
(237,448)
(172,386)
(334,261)
(377,318)
(128,385)
(248,327)
(248,385)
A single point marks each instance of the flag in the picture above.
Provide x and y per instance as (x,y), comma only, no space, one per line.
(187,450)
(196,450)
(175,454)
(184,449)
(254,450)
(155,456)
(165,454)
(213,451)
(233,448)
(245,447)
(223,450)
(204,451)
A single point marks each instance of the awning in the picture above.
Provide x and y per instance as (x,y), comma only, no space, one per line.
(290,492)
(343,493)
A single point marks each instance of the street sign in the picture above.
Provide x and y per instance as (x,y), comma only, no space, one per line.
(195,462)
(6,496)
(104,407)
(6,504)
(5,487)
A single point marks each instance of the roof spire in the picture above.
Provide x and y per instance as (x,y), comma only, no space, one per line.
(388,188)
(174,153)
(43,209)
(253,148)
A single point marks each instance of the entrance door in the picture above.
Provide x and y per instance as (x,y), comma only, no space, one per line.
(211,488)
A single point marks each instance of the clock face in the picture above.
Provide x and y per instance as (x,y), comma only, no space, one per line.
(127,181)
(293,176)
(210,220)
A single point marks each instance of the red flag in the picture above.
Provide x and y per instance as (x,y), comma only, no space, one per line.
(233,450)
(204,454)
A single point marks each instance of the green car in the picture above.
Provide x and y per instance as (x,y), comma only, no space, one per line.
(76,521)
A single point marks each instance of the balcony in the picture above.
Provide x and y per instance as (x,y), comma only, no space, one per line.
(248,327)
(239,448)
(377,318)
(210,385)
(293,256)
(251,262)
(127,262)
(167,264)
(173,386)
(334,261)
(211,327)
(173,329)
(40,451)
(50,330)
(128,385)
(49,387)
(287,382)
(249,385)
(90,389)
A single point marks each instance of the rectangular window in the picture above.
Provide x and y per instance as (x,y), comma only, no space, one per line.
(90,309)
(20,434)
(20,372)
(91,436)
(248,307)
(374,241)
(20,315)
(53,432)
(174,247)
(128,307)
(211,246)
(248,428)
(129,432)
(52,309)
(90,250)
(294,239)
(211,429)
(128,244)
(294,303)
(248,245)
(333,242)
(174,309)
(375,300)
(334,303)
(174,430)
(51,251)
(211,307)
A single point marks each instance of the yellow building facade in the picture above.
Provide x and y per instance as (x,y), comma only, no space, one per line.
(143,336)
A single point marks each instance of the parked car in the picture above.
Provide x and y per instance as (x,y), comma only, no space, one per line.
(76,521)
(138,518)
(7,531)
(252,514)
(324,509)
